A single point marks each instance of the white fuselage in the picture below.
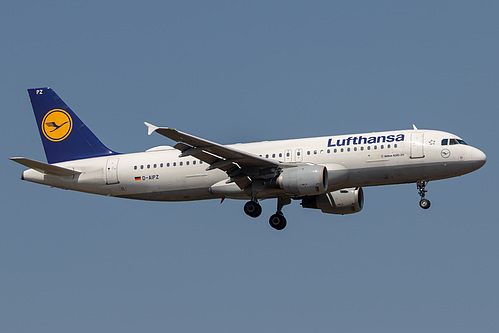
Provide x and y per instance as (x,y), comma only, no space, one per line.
(358,160)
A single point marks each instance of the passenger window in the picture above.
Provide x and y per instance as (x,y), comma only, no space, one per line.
(193,162)
(267,156)
(174,163)
(167,165)
(308,152)
(161,165)
(155,165)
(368,147)
(329,151)
(445,142)
(395,146)
(287,154)
(280,154)
(348,149)
(181,163)
(362,148)
(148,166)
(335,150)
(354,148)
(315,152)
(382,147)
(142,167)
(135,167)
(342,150)
(297,153)
(375,147)
(187,163)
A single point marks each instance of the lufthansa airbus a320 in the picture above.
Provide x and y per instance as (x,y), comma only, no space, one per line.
(326,173)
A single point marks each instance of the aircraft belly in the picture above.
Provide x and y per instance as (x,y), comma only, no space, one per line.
(172,195)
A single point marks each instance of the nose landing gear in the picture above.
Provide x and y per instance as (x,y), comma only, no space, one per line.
(423,203)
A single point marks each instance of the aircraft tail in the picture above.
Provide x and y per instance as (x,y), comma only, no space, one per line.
(64,136)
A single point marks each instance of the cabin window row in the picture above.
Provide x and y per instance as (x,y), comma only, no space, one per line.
(361,148)
(288,154)
(336,150)
(162,165)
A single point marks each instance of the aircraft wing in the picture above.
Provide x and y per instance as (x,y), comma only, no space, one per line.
(242,167)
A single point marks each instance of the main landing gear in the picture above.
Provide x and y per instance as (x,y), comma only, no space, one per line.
(423,203)
(253,208)
(276,221)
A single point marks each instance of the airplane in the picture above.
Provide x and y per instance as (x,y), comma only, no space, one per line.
(326,173)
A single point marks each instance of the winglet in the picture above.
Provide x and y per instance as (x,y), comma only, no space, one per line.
(150,128)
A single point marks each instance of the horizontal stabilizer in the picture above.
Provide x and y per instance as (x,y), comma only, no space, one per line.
(45,168)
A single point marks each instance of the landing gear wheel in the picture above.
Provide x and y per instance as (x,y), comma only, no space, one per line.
(253,209)
(424,203)
(277,221)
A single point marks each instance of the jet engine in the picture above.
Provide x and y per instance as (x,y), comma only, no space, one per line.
(345,201)
(304,179)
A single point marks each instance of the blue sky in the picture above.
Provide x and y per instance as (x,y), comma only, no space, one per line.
(233,71)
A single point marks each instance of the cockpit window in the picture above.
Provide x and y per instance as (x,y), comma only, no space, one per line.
(445,142)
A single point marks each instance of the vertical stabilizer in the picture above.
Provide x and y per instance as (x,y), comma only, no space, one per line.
(64,136)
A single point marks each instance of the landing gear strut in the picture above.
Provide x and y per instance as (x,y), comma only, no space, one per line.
(253,208)
(278,221)
(423,203)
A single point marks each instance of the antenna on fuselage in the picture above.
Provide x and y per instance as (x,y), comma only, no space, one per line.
(414,127)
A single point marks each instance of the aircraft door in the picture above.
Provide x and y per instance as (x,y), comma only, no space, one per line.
(417,146)
(112,171)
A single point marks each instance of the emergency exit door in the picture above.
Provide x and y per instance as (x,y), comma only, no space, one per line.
(112,171)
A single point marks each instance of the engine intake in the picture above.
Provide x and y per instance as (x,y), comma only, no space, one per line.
(345,201)
(304,179)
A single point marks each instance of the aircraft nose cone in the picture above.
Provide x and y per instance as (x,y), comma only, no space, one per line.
(479,158)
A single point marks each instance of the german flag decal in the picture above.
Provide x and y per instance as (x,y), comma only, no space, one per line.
(137,178)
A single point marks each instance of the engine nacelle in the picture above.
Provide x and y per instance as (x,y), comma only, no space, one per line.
(304,179)
(345,201)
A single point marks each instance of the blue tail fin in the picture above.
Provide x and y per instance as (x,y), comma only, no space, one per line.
(65,137)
